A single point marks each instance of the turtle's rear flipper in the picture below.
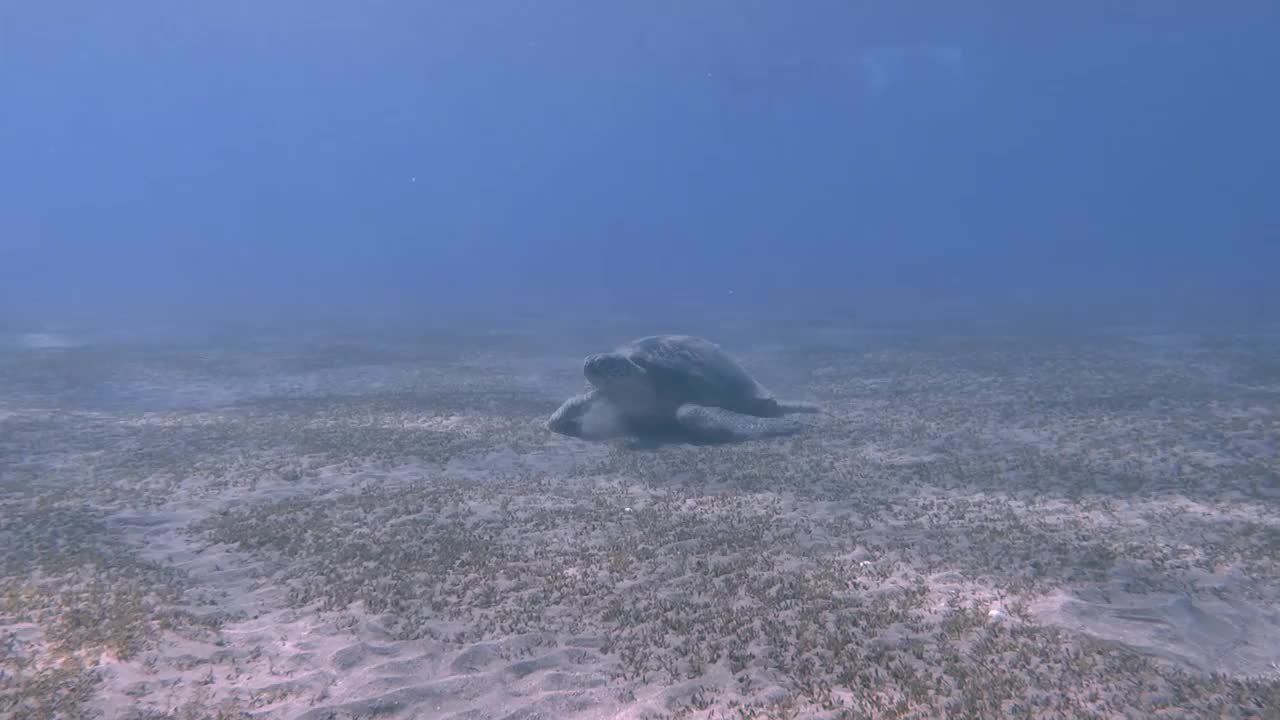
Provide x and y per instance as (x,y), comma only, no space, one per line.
(716,425)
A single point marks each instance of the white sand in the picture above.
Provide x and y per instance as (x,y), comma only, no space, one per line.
(979,526)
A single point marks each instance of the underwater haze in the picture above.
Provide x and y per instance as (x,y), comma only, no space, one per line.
(505,360)
(240,158)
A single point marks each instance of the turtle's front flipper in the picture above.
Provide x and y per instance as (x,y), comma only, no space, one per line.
(714,425)
(587,416)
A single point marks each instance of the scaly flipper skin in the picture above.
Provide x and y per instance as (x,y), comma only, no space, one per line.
(714,425)
(567,420)
(589,416)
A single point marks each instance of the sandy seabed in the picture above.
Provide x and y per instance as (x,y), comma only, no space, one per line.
(338,527)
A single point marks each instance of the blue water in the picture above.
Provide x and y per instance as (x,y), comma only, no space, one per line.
(236,159)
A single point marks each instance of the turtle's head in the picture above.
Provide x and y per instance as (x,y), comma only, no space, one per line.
(618,378)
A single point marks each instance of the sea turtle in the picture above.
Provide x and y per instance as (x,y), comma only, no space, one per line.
(672,385)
